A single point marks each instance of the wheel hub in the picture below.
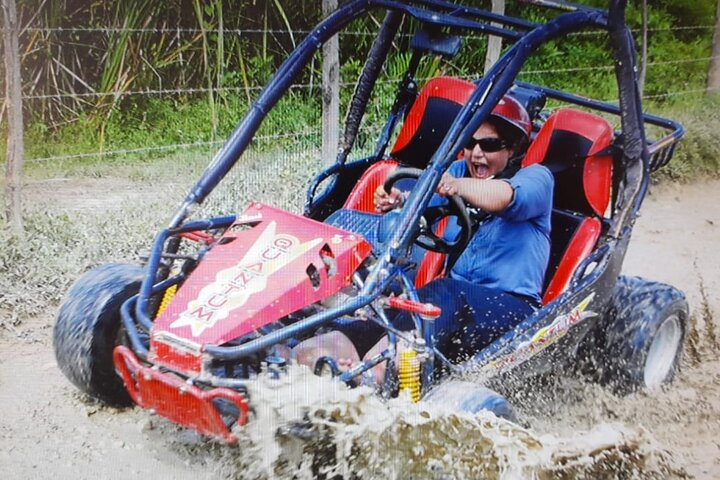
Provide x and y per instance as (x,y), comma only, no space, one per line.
(663,351)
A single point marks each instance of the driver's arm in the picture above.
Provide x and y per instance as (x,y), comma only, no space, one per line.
(490,195)
(528,194)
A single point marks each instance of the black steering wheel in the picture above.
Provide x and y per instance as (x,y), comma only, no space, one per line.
(455,207)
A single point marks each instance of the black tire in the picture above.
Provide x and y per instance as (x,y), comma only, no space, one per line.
(87,329)
(645,335)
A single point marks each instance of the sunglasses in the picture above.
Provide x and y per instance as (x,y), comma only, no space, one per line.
(487,144)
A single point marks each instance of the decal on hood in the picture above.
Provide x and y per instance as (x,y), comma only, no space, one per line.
(233,286)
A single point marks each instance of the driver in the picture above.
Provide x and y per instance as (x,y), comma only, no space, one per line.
(497,280)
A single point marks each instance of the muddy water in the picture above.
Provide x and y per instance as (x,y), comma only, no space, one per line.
(309,427)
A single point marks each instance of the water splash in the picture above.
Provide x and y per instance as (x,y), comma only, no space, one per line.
(307,427)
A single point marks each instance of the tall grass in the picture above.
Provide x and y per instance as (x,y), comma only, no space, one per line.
(146,45)
(206,63)
(698,154)
(142,51)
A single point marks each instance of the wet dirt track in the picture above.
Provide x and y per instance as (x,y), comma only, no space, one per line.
(49,430)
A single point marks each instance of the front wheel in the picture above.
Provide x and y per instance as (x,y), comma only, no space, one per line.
(87,328)
(645,337)
(465,396)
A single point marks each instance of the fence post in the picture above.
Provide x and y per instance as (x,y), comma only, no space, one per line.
(494,43)
(643,68)
(713,81)
(13,95)
(330,92)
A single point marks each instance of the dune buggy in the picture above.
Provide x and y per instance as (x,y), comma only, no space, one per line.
(183,334)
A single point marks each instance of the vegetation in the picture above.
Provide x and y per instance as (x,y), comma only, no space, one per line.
(698,154)
(77,50)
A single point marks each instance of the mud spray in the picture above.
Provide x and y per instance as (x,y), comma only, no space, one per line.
(308,427)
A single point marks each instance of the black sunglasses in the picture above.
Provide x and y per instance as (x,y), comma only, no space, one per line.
(487,144)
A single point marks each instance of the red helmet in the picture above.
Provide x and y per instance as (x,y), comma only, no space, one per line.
(511,112)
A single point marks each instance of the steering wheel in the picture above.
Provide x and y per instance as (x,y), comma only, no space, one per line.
(455,206)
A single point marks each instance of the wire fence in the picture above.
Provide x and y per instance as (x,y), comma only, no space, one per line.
(257,89)
(278,32)
(202,144)
(214,144)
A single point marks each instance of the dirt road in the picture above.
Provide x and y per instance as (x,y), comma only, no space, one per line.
(48,430)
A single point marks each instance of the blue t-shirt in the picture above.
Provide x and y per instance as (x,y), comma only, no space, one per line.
(510,249)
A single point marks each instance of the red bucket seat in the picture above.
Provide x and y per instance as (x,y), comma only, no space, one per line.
(574,145)
(424,128)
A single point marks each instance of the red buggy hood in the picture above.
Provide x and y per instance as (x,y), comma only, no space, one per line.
(268,264)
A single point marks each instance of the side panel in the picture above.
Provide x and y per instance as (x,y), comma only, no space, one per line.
(551,338)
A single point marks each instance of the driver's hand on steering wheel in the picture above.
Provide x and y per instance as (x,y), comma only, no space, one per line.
(448,186)
(387,201)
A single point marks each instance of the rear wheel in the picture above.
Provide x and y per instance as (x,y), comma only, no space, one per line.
(87,328)
(644,339)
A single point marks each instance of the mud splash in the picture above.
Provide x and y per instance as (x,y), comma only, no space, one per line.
(306,427)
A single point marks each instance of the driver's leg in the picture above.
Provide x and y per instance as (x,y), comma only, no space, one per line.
(446,293)
(489,314)
(450,295)
(471,316)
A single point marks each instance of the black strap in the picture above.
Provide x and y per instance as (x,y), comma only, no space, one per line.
(612,150)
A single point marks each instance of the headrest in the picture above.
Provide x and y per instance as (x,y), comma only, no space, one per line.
(568,144)
(429,120)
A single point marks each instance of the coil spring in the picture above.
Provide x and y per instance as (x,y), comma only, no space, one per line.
(409,373)
(167,296)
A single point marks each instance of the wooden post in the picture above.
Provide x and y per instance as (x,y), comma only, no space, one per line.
(713,81)
(330,92)
(494,43)
(13,95)
(643,68)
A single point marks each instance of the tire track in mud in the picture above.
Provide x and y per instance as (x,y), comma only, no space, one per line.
(708,319)
(702,343)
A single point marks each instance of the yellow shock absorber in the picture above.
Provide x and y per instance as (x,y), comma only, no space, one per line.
(409,373)
(167,296)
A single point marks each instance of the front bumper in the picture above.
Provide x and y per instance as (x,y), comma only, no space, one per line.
(180,401)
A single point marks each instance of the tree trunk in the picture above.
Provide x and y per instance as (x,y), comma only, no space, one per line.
(713,82)
(13,95)
(330,92)
(494,43)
